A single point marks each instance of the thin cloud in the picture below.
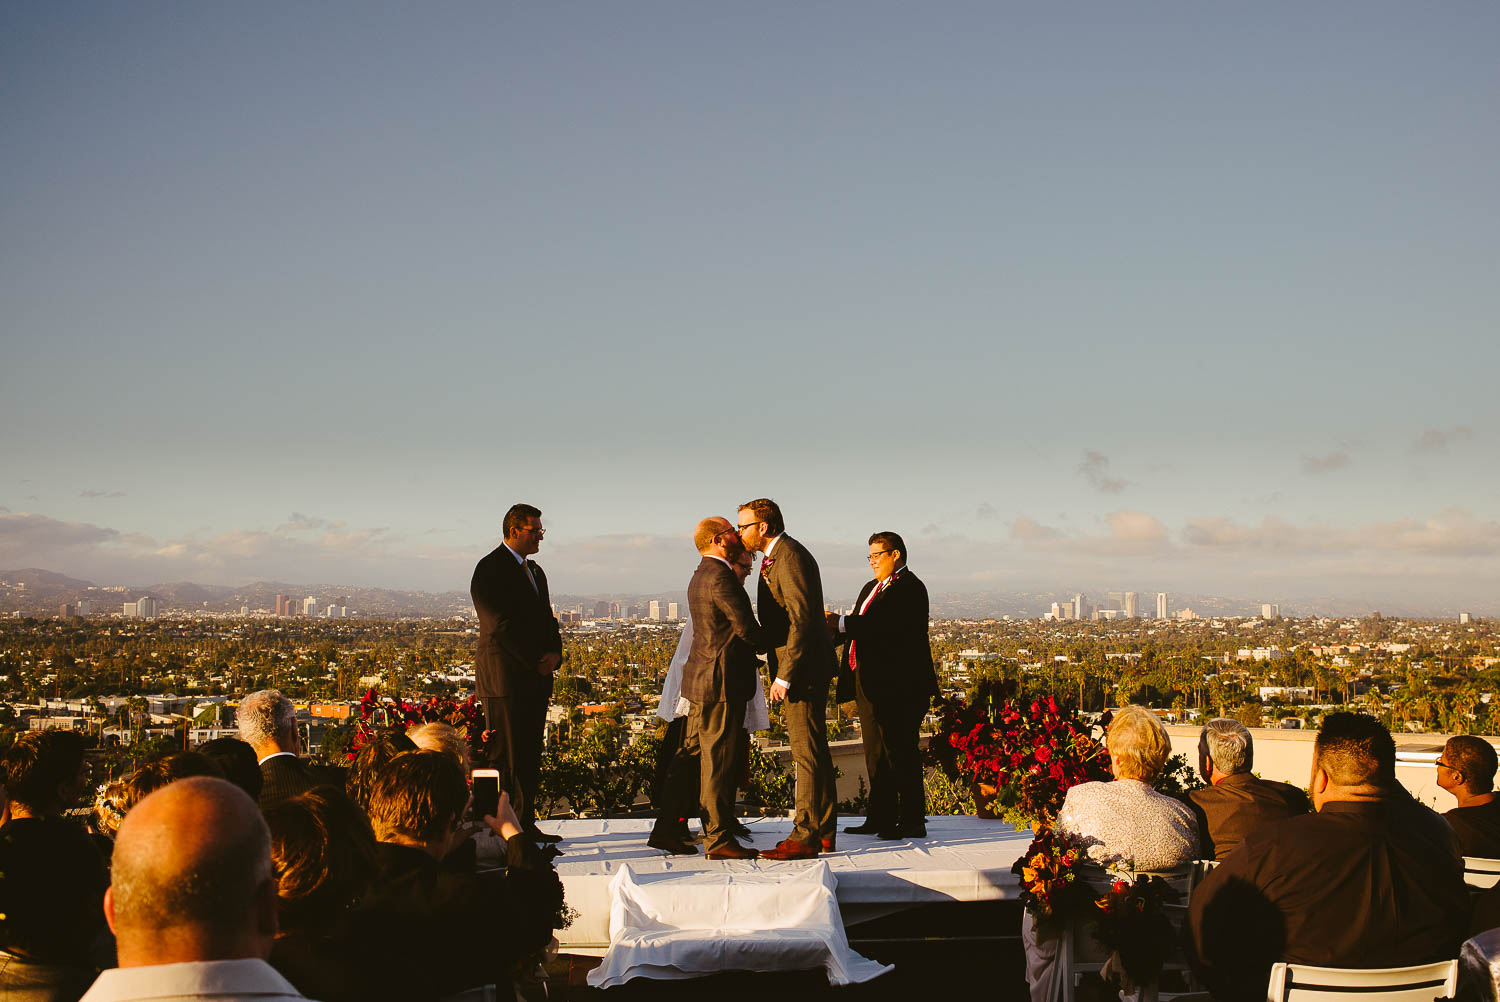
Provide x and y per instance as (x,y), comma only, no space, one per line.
(1095,469)
(1029,530)
(101,494)
(1325,464)
(986,511)
(1435,440)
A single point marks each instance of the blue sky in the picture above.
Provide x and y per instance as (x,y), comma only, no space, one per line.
(1161,296)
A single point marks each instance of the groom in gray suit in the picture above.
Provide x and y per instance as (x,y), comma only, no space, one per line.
(800,651)
(718,680)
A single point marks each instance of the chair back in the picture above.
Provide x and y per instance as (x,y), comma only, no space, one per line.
(1480,873)
(1079,954)
(1302,983)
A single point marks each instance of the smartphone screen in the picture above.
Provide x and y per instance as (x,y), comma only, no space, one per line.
(486,785)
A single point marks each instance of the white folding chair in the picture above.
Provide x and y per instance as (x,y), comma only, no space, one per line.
(1301,983)
(1481,874)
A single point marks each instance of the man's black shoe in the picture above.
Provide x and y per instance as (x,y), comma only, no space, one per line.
(868,828)
(670,844)
(901,832)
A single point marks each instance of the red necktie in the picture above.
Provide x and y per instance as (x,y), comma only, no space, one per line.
(853,661)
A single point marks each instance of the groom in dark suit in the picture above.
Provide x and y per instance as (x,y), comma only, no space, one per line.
(789,601)
(520,648)
(718,679)
(887,671)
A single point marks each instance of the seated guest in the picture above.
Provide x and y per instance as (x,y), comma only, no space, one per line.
(1235,802)
(1373,879)
(324,858)
(1120,822)
(239,762)
(470,927)
(192,902)
(384,745)
(51,910)
(268,724)
(1467,770)
(44,773)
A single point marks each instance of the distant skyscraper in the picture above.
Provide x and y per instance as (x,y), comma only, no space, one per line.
(672,611)
(655,611)
(601,610)
(146,608)
(1080,607)
(1056,611)
(1464,619)
(1161,605)
(1269,611)
(309,606)
(1131,605)
(1068,612)
(244,610)
(283,606)
(1116,599)
(85,607)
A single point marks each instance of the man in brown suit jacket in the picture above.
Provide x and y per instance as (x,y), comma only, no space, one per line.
(1235,803)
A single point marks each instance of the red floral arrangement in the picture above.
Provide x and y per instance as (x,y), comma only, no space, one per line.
(1029,754)
(376,714)
(1129,920)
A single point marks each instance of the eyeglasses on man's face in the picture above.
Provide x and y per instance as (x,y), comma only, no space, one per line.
(877,555)
(745,525)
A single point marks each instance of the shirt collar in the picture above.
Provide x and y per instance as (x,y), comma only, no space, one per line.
(771,545)
(715,556)
(278,754)
(195,979)
(519,559)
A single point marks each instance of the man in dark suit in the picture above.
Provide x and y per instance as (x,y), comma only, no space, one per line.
(789,601)
(1373,879)
(520,647)
(718,679)
(268,723)
(887,671)
(1235,802)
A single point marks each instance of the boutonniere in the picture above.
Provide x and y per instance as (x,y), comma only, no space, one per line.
(765,563)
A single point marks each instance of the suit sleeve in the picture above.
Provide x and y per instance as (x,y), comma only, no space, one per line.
(491,599)
(735,604)
(802,618)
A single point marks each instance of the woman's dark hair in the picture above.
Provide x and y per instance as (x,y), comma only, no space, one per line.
(383,746)
(323,857)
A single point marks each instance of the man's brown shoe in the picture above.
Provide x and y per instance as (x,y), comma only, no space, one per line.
(733,850)
(791,849)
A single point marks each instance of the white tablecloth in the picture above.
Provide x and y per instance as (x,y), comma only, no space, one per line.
(684,925)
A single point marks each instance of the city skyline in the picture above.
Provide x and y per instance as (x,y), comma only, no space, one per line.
(1202,301)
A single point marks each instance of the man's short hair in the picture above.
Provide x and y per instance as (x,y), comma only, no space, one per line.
(1355,749)
(1138,744)
(419,795)
(891,541)
(1229,745)
(1474,758)
(767,511)
(518,515)
(708,530)
(215,889)
(264,716)
(40,764)
(239,762)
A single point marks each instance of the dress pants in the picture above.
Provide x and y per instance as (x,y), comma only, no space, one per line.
(714,732)
(815,816)
(893,760)
(516,724)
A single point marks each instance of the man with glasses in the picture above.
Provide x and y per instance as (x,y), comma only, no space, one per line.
(520,648)
(1467,770)
(887,671)
(800,654)
(718,679)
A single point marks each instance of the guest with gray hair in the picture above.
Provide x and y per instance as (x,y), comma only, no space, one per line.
(1235,801)
(268,723)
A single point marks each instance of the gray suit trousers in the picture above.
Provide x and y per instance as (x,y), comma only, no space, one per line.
(816,815)
(717,729)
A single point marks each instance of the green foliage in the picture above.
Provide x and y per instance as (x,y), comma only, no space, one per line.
(1177,777)
(768,784)
(947,795)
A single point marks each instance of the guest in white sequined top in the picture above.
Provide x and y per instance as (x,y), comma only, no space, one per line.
(1126,821)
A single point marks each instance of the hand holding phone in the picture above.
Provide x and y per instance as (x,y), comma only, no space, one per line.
(486,787)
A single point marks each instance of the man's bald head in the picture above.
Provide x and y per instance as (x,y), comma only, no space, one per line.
(192,877)
(711,533)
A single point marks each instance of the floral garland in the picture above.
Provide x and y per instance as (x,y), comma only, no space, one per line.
(376,714)
(1051,887)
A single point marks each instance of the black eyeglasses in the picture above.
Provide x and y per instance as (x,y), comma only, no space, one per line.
(745,525)
(877,555)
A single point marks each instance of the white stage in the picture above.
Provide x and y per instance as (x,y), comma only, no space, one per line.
(961,859)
